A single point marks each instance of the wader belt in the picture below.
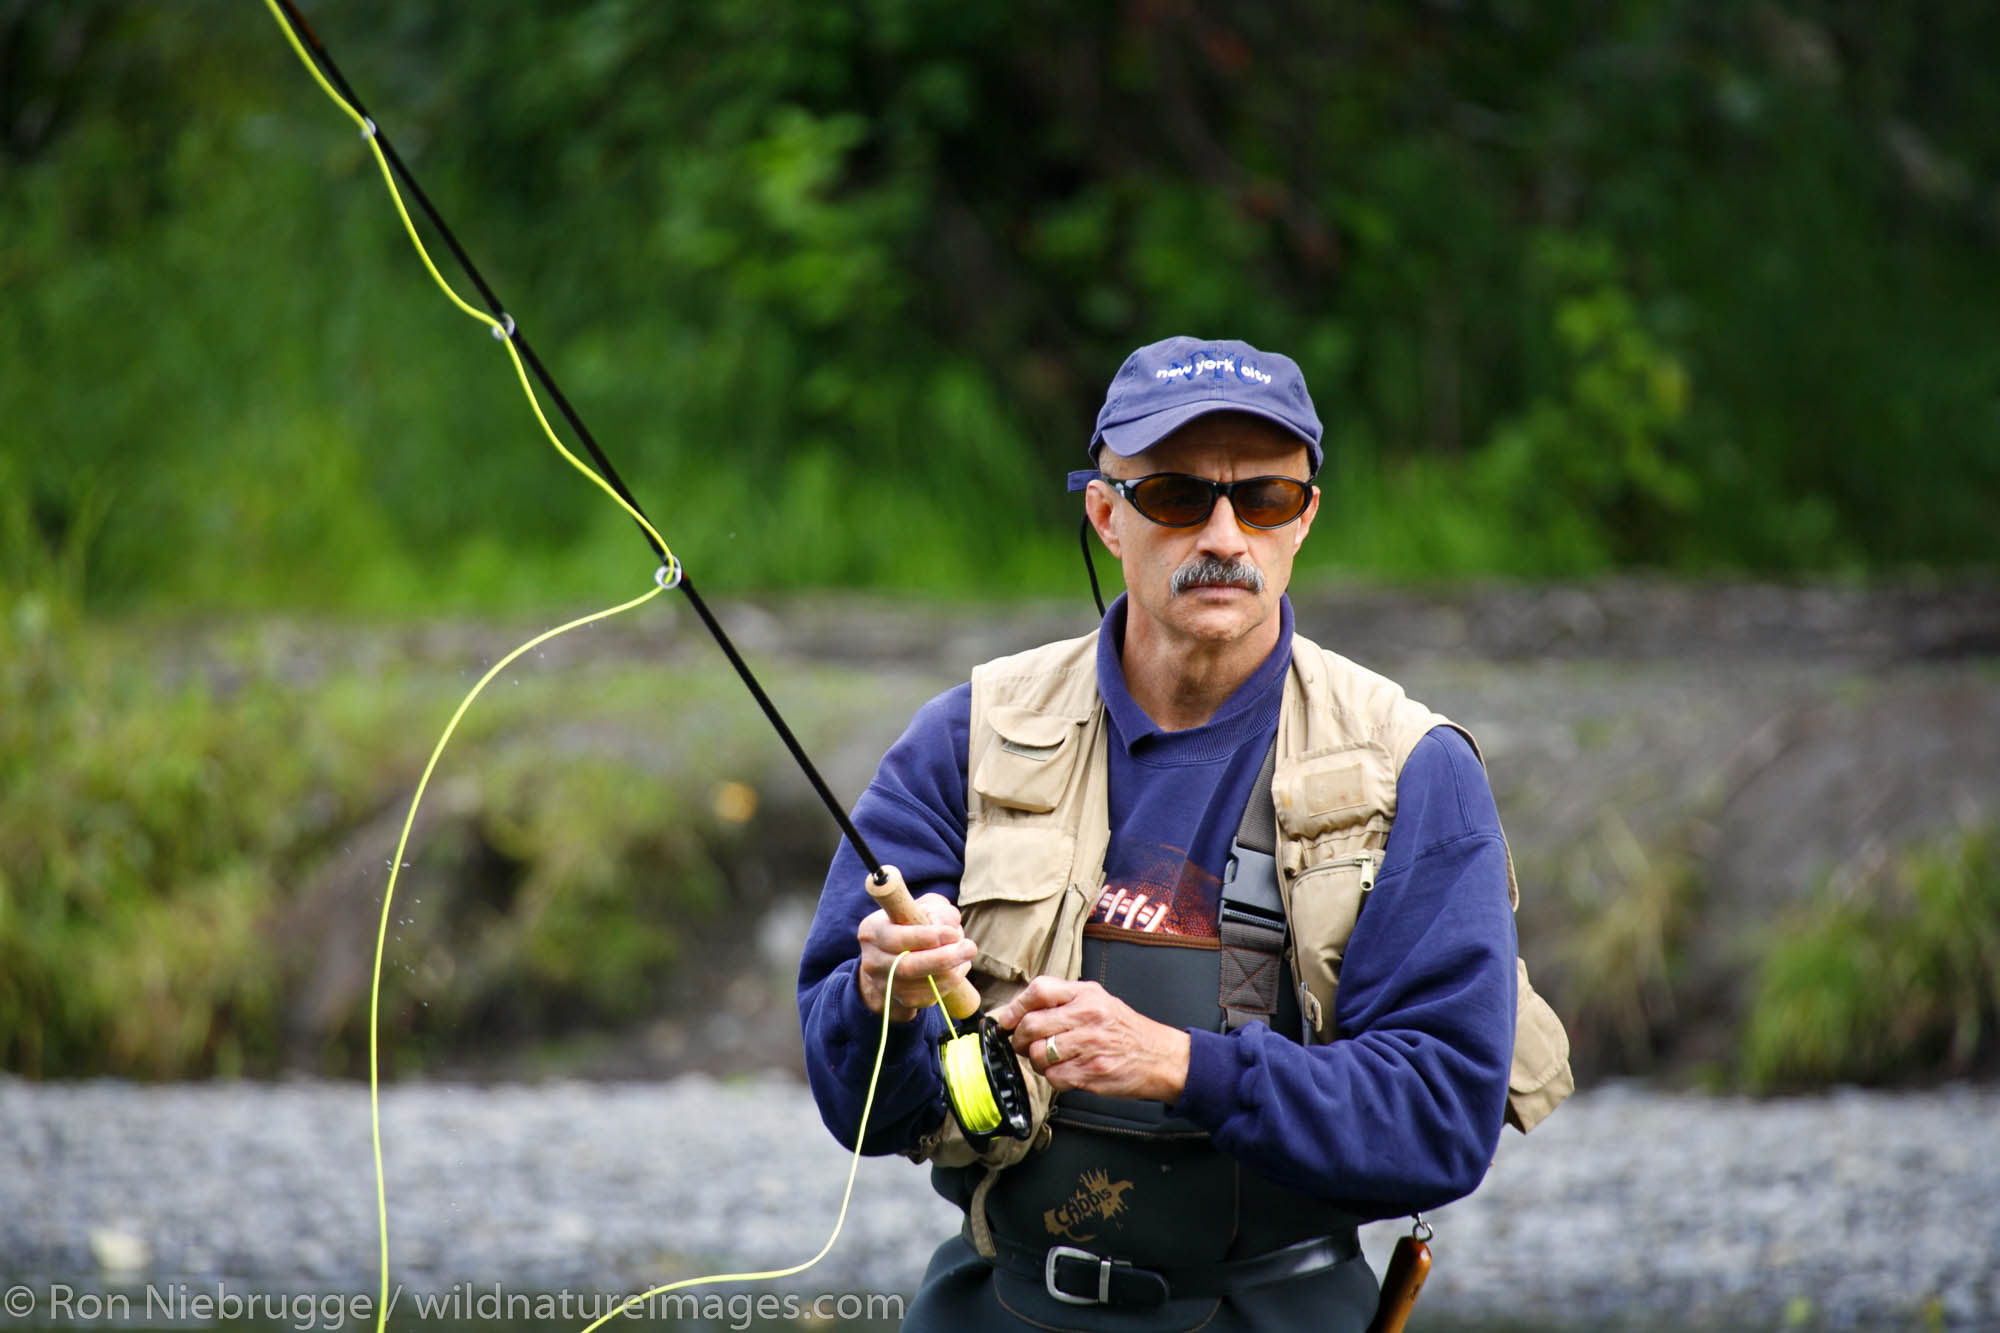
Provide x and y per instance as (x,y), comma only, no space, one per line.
(1078,1277)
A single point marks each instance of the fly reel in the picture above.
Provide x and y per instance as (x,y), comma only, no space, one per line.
(984,1085)
(983,1082)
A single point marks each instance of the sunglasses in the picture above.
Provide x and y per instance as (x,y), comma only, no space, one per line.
(1176,500)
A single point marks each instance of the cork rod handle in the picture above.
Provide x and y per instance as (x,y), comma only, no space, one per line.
(961,998)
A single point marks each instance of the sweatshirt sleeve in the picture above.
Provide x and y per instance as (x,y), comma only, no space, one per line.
(1402,1111)
(912,817)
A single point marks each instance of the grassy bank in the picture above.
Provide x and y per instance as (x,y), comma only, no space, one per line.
(1894,970)
(196,822)
(195,829)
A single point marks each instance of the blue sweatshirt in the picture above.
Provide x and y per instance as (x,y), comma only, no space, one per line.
(1402,1113)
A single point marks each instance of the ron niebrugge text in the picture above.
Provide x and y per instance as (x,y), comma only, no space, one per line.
(311,1312)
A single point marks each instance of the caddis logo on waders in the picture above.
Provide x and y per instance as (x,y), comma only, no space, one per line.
(1097,1199)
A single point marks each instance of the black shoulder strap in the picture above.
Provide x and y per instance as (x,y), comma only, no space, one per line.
(1252,922)
(1259,829)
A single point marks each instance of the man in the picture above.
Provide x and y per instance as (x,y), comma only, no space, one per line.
(1233,1063)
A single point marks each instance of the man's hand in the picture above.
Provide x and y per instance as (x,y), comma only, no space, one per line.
(938,950)
(1105,1046)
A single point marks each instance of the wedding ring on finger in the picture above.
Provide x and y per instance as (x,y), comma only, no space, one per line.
(1050,1054)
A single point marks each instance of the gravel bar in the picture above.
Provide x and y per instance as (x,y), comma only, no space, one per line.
(1849,1210)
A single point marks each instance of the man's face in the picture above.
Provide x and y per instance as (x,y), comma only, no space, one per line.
(1220,563)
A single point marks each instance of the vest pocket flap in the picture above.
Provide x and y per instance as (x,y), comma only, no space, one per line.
(1028,765)
(1015,861)
(1540,1076)
(1011,897)
(1029,729)
(1333,791)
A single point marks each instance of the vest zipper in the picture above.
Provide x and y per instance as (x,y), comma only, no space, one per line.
(1365,860)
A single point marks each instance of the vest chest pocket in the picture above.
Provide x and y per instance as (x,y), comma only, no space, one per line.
(1017,852)
(1334,809)
(1030,761)
(1326,900)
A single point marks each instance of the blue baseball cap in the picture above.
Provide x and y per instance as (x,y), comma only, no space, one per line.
(1164,385)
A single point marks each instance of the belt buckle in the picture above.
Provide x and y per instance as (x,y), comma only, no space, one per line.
(1060,1252)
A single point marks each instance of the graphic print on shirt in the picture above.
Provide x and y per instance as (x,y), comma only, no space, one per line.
(1156,889)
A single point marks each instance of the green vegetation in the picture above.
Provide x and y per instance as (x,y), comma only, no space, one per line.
(195,828)
(1898,972)
(1670,283)
(1700,285)
(1628,912)
(142,836)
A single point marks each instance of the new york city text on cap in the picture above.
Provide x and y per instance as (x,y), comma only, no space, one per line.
(1164,385)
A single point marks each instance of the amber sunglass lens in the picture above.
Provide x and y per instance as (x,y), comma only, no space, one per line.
(1269,502)
(1177,502)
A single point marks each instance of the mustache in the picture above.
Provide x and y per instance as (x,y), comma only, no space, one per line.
(1207,571)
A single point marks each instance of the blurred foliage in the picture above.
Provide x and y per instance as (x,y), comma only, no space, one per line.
(141,836)
(1619,957)
(195,828)
(1696,284)
(1896,975)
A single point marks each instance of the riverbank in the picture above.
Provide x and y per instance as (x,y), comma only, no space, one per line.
(1711,790)
(1847,1210)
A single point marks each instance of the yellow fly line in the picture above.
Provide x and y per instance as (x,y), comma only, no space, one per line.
(502,331)
(976,1074)
(964,1076)
(967,1084)
(388,897)
(846,1193)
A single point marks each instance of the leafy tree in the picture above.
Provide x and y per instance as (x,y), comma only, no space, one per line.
(1665,283)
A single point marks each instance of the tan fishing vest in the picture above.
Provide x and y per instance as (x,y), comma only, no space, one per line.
(1038,827)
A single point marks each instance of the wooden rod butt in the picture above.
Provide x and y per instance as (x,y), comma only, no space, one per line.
(1409,1265)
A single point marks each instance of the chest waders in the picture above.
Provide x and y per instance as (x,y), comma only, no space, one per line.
(1132,1209)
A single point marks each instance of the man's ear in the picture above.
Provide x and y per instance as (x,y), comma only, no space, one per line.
(1304,522)
(1099,500)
